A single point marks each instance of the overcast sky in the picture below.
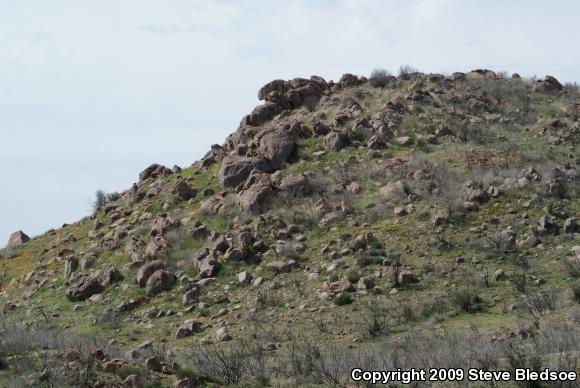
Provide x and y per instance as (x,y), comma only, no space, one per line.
(91,92)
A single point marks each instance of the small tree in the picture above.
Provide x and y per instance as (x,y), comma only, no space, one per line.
(102,199)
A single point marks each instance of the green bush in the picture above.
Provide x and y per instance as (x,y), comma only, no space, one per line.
(343,299)
(365,261)
(185,373)
(353,277)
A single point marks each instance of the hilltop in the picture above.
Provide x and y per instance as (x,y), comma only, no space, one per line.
(415,220)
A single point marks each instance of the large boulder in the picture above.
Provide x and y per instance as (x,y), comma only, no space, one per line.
(108,276)
(257,192)
(393,191)
(153,171)
(278,85)
(296,184)
(83,288)
(147,270)
(17,238)
(160,281)
(236,169)
(255,198)
(277,146)
(183,190)
(336,140)
(548,85)
(262,114)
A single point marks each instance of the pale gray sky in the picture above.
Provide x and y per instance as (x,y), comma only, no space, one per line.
(91,92)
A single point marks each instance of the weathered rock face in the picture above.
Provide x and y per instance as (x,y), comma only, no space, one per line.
(17,238)
(160,281)
(277,146)
(83,288)
(236,169)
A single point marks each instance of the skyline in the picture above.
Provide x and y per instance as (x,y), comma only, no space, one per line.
(91,94)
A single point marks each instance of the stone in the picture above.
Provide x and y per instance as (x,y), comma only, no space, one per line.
(296,185)
(153,171)
(147,270)
(183,190)
(83,288)
(222,334)
(153,364)
(400,211)
(279,266)
(160,281)
(407,277)
(439,219)
(548,85)
(17,238)
(244,277)
(235,169)
(109,276)
(133,381)
(393,191)
(188,328)
(572,225)
(500,275)
(70,266)
(87,262)
(404,140)
(335,140)
(190,296)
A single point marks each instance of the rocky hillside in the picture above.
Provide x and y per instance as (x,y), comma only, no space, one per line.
(411,221)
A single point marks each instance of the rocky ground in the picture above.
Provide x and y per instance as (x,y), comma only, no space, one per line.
(419,220)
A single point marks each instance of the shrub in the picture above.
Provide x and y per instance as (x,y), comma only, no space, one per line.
(380,78)
(572,267)
(538,302)
(575,287)
(353,277)
(405,70)
(102,199)
(343,299)
(467,299)
(365,261)
(375,322)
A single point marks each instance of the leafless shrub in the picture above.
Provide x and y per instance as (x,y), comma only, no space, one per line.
(380,78)
(228,365)
(572,267)
(539,302)
(406,70)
